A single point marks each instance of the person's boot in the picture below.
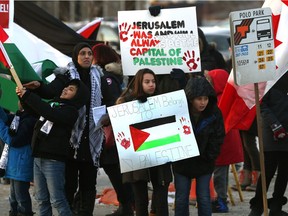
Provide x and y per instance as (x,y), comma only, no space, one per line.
(118,212)
(86,203)
(245,179)
(275,206)
(253,185)
(123,210)
(11,213)
(256,207)
(220,206)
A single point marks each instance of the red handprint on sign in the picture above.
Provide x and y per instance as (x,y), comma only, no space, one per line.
(123,141)
(123,31)
(190,60)
(186,128)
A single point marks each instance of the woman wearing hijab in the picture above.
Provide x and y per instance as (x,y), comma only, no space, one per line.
(86,141)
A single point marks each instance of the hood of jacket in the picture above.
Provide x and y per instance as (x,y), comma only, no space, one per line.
(199,86)
(219,79)
(115,68)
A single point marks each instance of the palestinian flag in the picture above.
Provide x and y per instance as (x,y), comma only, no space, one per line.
(11,55)
(8,97)
(46,27)
(143,133)
(90,30)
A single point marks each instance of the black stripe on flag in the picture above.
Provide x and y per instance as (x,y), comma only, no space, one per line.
(154,122)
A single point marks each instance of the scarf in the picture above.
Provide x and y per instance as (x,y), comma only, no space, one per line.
(96,136)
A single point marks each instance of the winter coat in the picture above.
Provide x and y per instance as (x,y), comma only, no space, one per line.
(114,78)
(62,114)
(208,130)
(55,87)
(20,160)
(274,111)
(231,150)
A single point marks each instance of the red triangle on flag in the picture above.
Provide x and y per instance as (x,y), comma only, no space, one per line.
(138,137)
(3,35)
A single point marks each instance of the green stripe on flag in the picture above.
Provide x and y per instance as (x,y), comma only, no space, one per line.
(23,68)
(159,142)
(8,97)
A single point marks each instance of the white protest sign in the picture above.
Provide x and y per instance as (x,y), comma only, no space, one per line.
(169,40)
(153,133)
(252,45)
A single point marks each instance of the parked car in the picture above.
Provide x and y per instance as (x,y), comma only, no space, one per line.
(108,32)
(219,37)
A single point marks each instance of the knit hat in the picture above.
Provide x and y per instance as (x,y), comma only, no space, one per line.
(76,51)
(82,95)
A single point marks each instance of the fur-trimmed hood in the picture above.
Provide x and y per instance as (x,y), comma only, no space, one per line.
(115,68)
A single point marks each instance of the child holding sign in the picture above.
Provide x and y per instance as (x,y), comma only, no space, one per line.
(143,85)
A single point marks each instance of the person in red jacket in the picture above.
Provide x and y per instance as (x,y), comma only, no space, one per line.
(231,151)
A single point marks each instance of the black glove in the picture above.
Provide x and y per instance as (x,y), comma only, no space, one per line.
(155,10)
(179,75)
(142,99)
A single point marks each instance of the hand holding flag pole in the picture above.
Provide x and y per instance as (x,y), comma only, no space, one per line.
(9,65)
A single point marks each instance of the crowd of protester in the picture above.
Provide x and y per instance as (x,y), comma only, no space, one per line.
(63,150)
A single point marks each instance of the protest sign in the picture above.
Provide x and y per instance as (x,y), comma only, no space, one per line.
(169,40)
(153,133)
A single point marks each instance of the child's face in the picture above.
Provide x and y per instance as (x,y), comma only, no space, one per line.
(148,84)
(85,57)
(199,103)
(69,92)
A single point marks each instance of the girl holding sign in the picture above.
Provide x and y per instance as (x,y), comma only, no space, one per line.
(143,85)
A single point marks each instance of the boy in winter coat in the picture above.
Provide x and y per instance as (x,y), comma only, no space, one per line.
(209,132)
(19,167)
(50,143)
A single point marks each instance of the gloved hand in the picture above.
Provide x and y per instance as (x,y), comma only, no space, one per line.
(179,75)
(155,10)
(142,99)
(278,131)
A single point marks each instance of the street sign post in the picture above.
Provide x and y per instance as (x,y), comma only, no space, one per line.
(253,61)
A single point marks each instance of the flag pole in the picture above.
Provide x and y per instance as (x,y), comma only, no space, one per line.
(11,68)
(261,149)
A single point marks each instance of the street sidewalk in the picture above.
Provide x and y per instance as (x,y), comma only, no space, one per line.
(240,208)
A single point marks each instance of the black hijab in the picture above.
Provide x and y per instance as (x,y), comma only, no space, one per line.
(83,72)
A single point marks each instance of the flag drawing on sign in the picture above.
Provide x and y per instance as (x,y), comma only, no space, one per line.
(145,135)
(140,136)
(238,102)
